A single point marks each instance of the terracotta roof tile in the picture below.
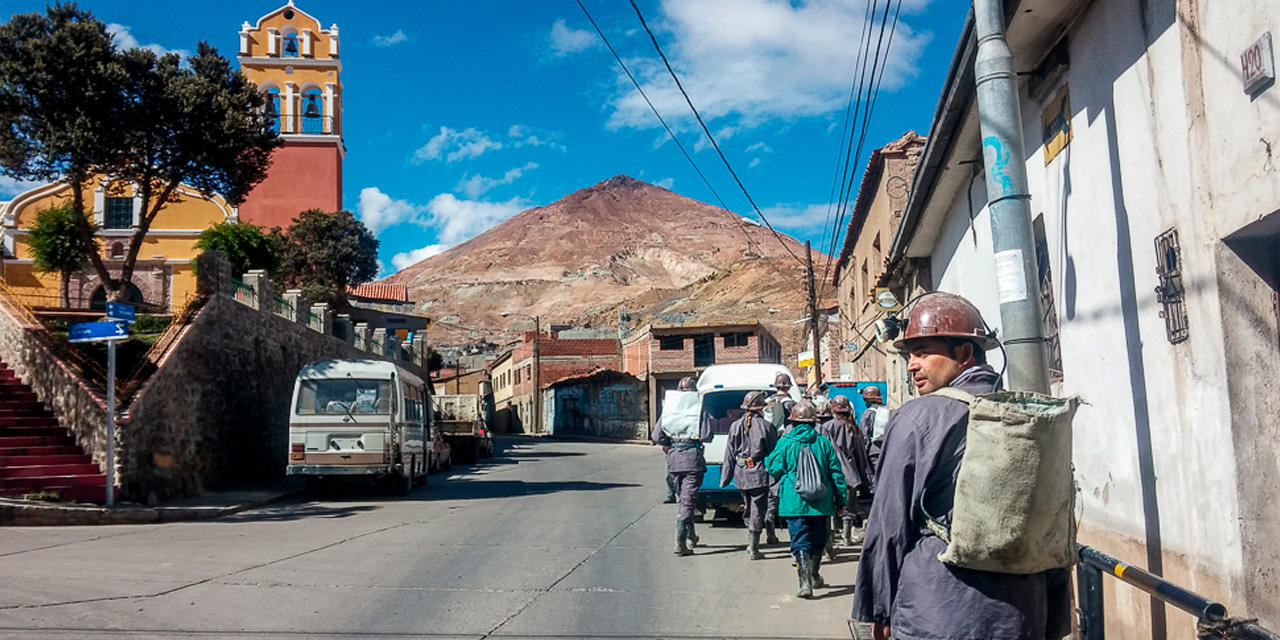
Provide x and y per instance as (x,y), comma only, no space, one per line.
(381,291)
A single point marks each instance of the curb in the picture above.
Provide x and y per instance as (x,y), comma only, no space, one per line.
(24,513)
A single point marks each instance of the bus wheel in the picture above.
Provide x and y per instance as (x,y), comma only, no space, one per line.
(317,486)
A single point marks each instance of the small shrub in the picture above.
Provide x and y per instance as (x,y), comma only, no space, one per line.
(45,496)
(151,324)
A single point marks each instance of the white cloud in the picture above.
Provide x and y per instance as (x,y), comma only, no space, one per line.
(378,210)
(456,221)
(125,40)
(402,260)
(759,147)
(10,187)
(666,183)
(755,162)
(746,62)
(566,40)
(797,216)
(477,185)
(525,136)
(393,39)
(453,145)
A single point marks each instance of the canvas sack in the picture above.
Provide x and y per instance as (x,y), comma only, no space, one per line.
(682,415)
(775,413)
(1014,508)
(882,420)
(809,482)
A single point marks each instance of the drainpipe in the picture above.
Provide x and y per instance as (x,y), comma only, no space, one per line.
(1017,277)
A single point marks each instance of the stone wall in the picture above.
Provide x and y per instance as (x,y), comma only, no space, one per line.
(79,406)
(216,412)
(606,405)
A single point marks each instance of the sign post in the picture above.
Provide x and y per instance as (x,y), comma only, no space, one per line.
(110,332)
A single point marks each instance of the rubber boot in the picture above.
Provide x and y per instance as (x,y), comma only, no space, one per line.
(830,550)
(693,535)
(818,582)
(682,531)
(846,532)
(753,545)
(770,517)
(804,572)
(857,535)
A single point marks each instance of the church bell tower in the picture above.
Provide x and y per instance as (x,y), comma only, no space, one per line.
(295,64)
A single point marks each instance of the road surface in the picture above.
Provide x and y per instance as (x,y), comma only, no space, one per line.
(546,540)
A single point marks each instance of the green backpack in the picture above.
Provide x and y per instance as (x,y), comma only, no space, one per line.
(1014,506)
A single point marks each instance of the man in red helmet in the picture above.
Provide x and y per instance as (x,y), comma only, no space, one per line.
(902,587)
(873,421)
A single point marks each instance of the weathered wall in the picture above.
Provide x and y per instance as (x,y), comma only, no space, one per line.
(616,410)
(216,412)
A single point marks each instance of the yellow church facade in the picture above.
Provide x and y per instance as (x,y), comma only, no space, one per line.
(163,279)
(294,62)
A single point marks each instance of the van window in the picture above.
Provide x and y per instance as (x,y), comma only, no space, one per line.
(338,396)
(724,408)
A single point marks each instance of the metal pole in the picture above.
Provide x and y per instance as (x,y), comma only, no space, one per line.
(111,423)
(1017,276)
(813,317)
(537,377)
(1089,587)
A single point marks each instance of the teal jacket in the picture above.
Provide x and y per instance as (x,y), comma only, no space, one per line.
(781,464)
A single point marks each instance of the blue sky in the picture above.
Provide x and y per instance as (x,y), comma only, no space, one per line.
(462,113)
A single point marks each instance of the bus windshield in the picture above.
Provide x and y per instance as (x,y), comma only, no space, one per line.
(339,396)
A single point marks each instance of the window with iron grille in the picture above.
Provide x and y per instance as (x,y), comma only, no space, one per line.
(670,343)
(737,339)
(118,213)
(1171,293)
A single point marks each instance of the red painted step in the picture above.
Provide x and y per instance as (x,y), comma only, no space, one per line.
(27,421)
(80,493)
(38,483)
(40,450)
(32,430)
(28,461)
(18,396)
(46,470)
(35,441)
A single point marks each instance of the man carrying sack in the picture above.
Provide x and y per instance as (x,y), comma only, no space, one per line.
(936,562)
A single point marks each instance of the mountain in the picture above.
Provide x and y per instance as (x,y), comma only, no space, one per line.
(619,242)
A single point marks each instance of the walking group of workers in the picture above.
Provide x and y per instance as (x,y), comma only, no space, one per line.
(763,460)
(910,461)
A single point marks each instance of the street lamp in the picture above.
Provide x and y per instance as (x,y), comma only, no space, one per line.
(537,366)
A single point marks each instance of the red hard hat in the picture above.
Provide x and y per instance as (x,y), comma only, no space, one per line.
(841,404)
(804,411)
(946,315)
(872,393)
(686,384)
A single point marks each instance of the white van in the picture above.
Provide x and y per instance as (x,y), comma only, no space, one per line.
(722,388)
(359,418)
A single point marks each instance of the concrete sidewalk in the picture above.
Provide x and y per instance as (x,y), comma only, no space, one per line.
(214,504)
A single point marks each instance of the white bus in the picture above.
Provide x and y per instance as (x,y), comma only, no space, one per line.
(365,418)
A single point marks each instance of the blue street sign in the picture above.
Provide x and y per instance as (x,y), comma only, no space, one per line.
(117,311)
(96,331)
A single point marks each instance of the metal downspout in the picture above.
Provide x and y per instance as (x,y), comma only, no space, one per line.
(1017,276)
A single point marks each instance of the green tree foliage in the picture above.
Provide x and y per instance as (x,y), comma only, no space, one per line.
(247,246)
(325,252)
(56,247)
(72,106)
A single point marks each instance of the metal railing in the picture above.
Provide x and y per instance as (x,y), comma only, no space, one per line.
(282,308)
(1212,620)
(244,293)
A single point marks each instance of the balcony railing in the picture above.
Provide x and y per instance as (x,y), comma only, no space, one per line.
(305,125)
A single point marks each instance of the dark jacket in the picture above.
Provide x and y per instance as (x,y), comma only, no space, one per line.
(685,455)
(757,443)
(900,580)
(851,448)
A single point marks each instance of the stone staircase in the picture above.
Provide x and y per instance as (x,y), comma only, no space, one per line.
(36,453)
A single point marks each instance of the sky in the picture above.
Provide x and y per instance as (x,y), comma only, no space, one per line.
(460,114)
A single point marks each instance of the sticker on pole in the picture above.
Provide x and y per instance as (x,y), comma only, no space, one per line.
(1011,276)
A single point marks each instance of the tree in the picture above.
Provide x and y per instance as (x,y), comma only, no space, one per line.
(71,107)
(56,247)
(247,246)
(325,252)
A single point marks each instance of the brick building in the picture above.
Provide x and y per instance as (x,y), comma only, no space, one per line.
(661,354)
(558,358)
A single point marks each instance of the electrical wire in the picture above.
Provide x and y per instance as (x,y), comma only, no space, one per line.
(710,137)
(750,241)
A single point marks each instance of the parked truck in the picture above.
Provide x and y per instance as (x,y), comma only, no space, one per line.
(460,419)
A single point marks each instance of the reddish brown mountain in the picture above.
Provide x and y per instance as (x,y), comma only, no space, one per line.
(621,241)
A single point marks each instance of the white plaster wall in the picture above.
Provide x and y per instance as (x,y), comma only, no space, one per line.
(1081,196)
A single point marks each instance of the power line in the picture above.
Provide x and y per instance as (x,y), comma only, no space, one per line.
(671,133)
(706,130)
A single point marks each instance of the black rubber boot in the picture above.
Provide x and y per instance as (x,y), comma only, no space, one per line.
(770,518)
(846,532)
(753,545)
(693,535)
(804,572)
(818,582)
(831,542)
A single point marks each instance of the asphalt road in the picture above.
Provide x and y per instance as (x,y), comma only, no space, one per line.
(546,540)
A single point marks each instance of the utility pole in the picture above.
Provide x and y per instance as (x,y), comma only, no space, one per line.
(537,376)
(1008,199)
(813,316)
